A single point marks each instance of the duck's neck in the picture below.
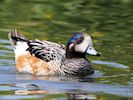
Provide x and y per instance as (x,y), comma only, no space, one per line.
(73,54)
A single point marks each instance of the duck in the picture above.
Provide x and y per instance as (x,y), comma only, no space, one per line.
(38,57)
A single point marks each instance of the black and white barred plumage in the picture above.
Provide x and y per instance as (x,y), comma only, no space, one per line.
(46,50)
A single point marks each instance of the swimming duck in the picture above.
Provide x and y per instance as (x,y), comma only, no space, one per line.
(48,58)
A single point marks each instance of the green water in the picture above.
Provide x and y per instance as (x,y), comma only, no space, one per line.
(108,21)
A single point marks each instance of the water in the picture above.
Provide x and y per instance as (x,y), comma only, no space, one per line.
(109,22)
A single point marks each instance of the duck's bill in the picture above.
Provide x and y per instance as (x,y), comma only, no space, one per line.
(92,51)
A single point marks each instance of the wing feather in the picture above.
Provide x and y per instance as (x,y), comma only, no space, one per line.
(46,50)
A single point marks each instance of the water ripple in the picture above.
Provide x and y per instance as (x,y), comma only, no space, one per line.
(110,64)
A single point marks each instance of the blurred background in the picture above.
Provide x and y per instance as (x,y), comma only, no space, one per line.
(110,24)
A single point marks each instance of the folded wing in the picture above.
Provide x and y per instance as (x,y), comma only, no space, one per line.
(46,50)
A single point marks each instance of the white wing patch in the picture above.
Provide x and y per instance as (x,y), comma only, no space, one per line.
(20,48)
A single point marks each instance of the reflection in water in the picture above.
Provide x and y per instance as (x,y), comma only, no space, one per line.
(111,64)
(80,95)
(30,92)
(31,89)
(74,90)
(27,86)
(70,84)
(70,95)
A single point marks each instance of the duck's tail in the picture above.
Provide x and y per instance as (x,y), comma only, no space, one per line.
(14,37)
(19,42)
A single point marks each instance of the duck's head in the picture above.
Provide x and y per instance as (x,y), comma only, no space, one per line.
(79,45)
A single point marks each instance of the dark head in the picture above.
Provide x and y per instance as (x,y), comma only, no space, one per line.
(79,45)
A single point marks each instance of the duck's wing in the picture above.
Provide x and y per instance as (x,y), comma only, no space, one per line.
(46,50)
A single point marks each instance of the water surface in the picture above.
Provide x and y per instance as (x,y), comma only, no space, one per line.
(109,22)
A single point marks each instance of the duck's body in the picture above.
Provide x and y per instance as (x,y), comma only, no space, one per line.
(49,58)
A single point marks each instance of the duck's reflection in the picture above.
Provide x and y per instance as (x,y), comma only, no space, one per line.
(28,89)
(81,96)
(30,92)
(72,94)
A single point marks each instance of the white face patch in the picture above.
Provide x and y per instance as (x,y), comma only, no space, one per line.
(84,45)
(91,51)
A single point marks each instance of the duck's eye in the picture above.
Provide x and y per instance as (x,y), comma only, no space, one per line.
(80,40)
